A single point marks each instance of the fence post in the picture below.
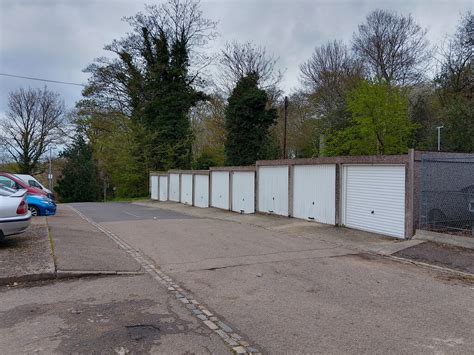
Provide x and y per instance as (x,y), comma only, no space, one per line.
(290,189)
(409,194)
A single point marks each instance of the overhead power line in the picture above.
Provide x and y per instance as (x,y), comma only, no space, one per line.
(39,79)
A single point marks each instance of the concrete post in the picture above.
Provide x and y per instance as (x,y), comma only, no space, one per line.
(338,195)
(409,194)
(290,189)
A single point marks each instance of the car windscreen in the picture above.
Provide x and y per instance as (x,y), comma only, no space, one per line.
(33,183)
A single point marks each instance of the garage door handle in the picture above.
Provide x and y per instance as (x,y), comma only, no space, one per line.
(373,212)
(270,211)
(312,218)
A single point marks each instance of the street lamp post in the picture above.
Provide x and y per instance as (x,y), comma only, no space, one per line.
(439,128)
(285,127)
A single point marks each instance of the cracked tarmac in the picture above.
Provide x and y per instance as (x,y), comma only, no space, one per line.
(121,314)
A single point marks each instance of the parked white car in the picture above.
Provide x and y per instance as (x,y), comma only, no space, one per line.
(33,182)
(14,215)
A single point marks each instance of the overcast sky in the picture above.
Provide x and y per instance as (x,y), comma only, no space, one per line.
(56,39)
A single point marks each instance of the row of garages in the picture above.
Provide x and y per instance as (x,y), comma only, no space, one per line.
(371,193)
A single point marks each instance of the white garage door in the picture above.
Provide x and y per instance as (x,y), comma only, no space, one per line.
(243,191)
(374,198)
(201,190)
(174,187)
(163,187)
(273,189)
(314,193)
(187,189)
(220,189)
(154,187)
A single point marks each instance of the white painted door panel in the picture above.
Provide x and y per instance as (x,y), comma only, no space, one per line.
(220,189)
(273,189)
(243,191)
(374,198)
(201,190)
(314,193)
(187,189)
(174,187)
(163,188)
(154,187)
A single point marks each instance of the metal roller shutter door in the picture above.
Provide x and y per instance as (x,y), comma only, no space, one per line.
(314,192)
(243,191)
(273,189)
(374,198)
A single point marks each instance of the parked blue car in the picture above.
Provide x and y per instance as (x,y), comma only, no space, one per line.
(41,205)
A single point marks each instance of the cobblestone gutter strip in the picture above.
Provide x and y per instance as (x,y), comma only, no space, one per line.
(209,319)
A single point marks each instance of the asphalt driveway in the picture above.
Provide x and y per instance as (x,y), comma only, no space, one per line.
(289,291)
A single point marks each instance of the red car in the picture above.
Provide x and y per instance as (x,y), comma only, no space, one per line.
(11,181)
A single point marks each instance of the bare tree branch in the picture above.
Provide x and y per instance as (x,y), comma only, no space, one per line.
(392,47)
(240,59)
(34,121)
(330,72)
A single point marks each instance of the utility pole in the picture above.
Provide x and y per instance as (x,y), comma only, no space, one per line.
(439,128)
(50,172)
(284,129)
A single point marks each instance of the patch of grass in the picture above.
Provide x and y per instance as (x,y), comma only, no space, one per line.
(128,199)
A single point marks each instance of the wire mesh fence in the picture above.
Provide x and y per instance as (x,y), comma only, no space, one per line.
(447,195)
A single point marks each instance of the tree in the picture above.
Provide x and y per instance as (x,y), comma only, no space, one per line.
(247,122)
(79,180)
(114,147)
(330,73)
(379,122)
(392,47)
(455,86)
(303,127)
(456,72)
(149,79)
(153,80)
(34,121)
(238,60)
(118,83)
(208,124)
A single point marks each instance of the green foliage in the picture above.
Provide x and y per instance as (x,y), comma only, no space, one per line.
(458,133)
(247,122)
(208,157)
(79,180)
(379,122)
(455,87)
(141,98)
(117,147)
(165,116)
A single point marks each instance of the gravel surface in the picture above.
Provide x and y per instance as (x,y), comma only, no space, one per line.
(28,255)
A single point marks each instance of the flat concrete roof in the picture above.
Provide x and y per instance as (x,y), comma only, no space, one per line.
(195,172)
(233,168)
(364,159)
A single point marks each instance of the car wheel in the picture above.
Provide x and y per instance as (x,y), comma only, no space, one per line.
(34,210)
(2,236)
